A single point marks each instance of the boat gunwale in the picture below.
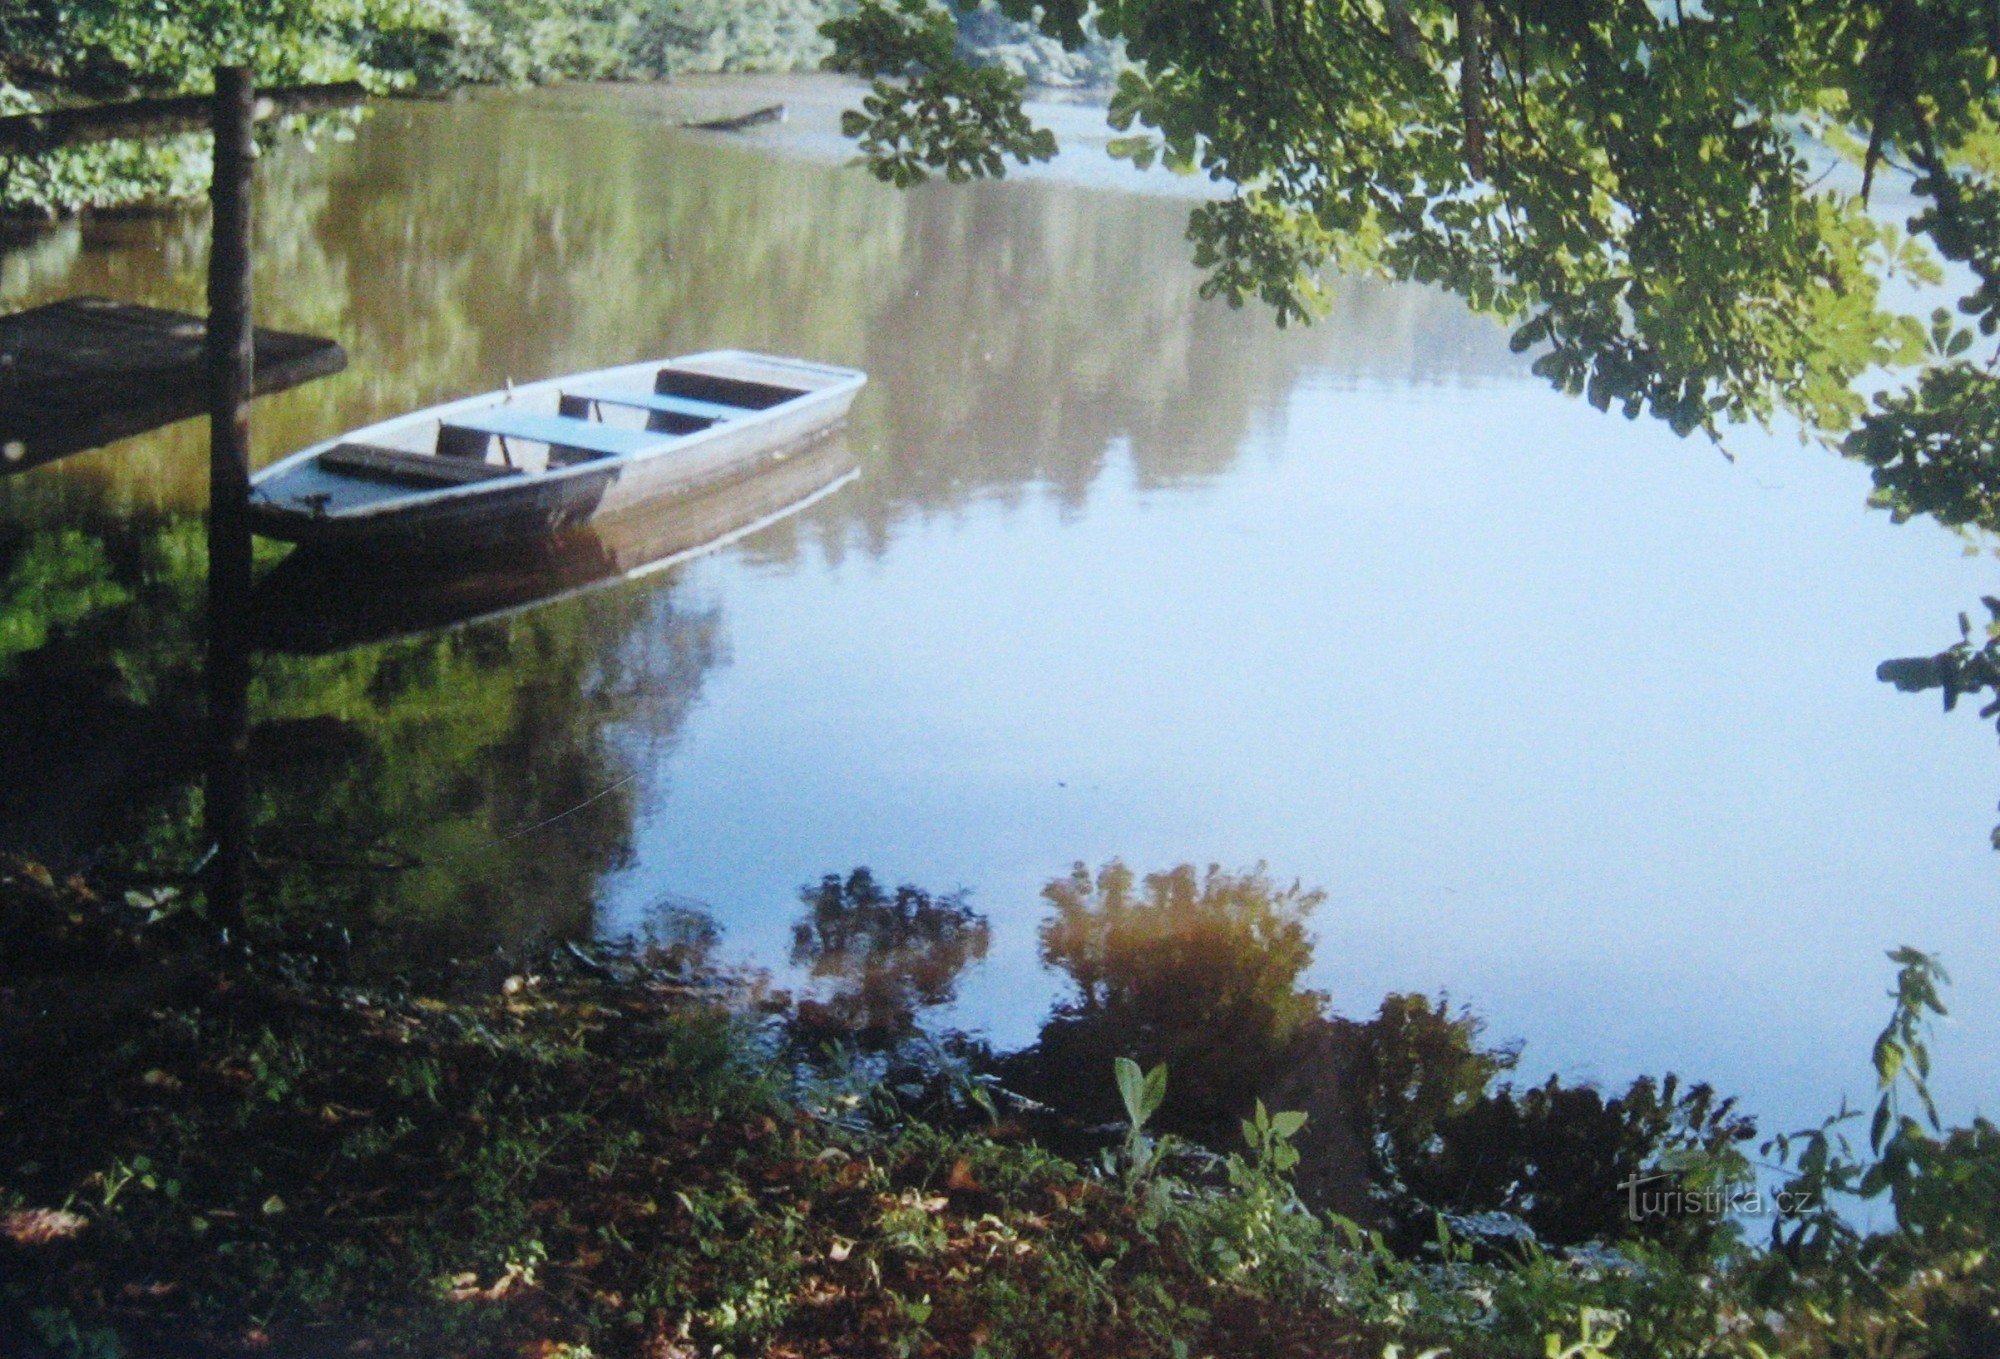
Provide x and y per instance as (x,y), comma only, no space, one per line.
(839,382)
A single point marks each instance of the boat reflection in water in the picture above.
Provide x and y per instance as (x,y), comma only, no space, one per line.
(317,601)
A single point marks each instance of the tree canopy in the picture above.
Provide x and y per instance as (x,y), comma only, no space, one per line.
(1668,200)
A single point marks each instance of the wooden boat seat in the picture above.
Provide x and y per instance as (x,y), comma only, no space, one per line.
(568,438)
(403,467)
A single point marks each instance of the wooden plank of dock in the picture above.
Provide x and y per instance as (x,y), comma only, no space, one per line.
(32,134)
(87,370)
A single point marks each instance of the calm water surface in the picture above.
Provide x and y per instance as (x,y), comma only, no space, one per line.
(1572,719)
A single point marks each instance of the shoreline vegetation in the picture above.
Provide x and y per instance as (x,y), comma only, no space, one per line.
(274,1145)
(54,57)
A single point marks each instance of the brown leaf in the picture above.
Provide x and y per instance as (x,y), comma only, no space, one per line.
(149,1290)
(961,1180)
(465,1287)
(41,1226)
(662,1343)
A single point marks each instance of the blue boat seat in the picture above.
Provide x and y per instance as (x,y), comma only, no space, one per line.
(568,438)
(638,398)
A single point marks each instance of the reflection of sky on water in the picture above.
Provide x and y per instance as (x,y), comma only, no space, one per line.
(1571,718)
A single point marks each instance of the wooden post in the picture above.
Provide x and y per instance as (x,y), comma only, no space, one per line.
(227,803)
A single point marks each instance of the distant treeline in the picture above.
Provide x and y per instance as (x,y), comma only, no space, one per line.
(516,41)
(503,41)
(53,54)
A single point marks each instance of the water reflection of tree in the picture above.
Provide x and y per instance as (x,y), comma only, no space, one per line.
(887,954)
(489,763)
(474,784)
(1199,971)
(1407,1110)
(1196,970)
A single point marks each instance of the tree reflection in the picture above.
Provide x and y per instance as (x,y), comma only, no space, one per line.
(1408,1114)
(1199,971)
(887,954)
(465,787)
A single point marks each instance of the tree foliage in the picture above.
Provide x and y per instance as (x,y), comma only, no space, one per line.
(1648,193)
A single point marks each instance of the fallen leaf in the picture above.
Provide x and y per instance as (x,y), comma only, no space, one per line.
(150,1290)
(41,1226)
(465,1287)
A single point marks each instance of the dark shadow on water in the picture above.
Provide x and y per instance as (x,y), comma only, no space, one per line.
(885,956)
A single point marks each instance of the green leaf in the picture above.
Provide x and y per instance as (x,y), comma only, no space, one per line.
(1131,1090)
(1155,1092)
(1888,1060)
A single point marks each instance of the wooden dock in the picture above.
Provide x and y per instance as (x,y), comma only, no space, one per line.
(86,370)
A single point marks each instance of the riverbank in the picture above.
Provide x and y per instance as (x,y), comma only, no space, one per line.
(209,1150)
(222,1151)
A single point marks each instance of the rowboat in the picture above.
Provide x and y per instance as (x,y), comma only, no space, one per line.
(316,601)
(770,113)
(526,463)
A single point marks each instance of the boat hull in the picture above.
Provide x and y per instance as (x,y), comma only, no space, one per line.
(319,601)
(525,509)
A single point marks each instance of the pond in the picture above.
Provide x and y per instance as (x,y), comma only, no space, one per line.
(1570,718)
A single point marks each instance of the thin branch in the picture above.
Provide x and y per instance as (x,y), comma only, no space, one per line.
(1472,81)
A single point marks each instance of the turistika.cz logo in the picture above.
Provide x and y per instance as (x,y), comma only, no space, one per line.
(1658,1195)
